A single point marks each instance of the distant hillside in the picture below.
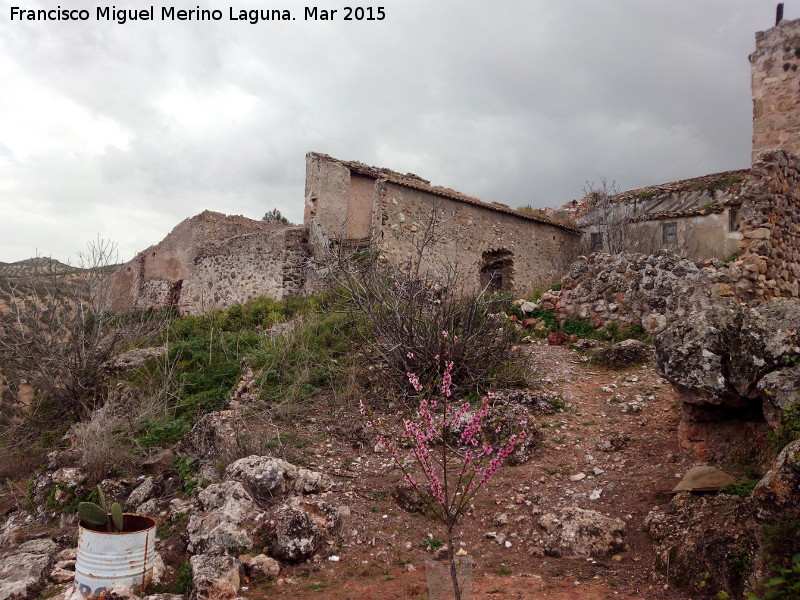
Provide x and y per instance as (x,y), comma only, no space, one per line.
(40,265)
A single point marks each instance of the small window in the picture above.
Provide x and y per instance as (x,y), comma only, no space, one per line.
(733,219)
(497,270)
(597,241)
(669,234)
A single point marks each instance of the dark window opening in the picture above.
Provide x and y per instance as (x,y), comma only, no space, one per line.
(597,241)
(733,219)
(669,234)
(497,270)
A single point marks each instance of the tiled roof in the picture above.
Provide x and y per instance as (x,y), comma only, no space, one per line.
(412,181)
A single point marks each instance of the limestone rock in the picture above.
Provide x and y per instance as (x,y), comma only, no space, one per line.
(778,391)
(132,359)
(148,488)
(23,569)
(703,479)
(625,354)
(777,495)
(215,435)
(707,542)
(261,567)
(225,520)
(297,529)
(269,479)
(579,532)
(215,577)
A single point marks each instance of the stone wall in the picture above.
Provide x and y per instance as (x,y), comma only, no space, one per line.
(355,204)
(650,290)
(534,254)
(214,261)
(770,226)
(776,85)
(241,268)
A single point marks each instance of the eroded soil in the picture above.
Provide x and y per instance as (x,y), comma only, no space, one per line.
(380,554)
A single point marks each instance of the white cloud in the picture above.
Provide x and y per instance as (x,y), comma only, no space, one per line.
(124,131)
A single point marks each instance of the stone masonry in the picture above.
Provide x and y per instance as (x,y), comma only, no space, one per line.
(214,261)
(649,290)
(776,85)
(491,244)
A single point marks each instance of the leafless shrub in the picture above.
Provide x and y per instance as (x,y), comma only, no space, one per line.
(100,443)
(60,329)
(616,222)
(404,309)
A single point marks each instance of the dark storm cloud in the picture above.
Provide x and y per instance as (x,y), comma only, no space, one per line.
(126,130)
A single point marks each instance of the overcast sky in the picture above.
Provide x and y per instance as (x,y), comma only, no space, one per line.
(122,131)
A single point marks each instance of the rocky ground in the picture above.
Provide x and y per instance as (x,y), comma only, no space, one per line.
(570,518)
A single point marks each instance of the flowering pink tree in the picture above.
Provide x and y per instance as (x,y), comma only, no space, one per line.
(444,449)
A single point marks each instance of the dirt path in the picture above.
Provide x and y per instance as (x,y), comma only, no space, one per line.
(619,430)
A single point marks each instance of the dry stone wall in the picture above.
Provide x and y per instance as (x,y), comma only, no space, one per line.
(650,290)
(776,84)
(771,227)
(215,261)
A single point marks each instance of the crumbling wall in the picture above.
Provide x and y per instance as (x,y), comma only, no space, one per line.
(466,235)
(214,261)
(776,85)
(650,290)
(640,289)
(238,269)
(770,227)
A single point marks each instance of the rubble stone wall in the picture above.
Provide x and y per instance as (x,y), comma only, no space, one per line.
(770,227)
(650,290)
(214,261)
(776,84)
(468,234)
(241,268)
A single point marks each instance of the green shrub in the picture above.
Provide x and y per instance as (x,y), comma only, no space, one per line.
(579,326)
(785,583)
(789,428)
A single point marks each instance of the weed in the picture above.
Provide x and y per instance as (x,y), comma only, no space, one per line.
(186,468)
(172,525)
(785,584)
(733,256)
(788,430)
(505,571)
(432,543)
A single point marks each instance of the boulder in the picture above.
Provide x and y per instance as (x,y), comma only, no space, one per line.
(706,542)
(224,521)
(261,567)
(297,529)
(625,354)
(578,532)
(734,368)
(24,568)
(269,480)
(777,496)
(778,391)
(132,359)
(215,577)
(213,437)
(146,490)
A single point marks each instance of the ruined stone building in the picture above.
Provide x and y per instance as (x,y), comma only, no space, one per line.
(491,244)
(749,217)
(696,218)
(214,261)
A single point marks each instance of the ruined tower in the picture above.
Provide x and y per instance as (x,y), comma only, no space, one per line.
(775,66)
